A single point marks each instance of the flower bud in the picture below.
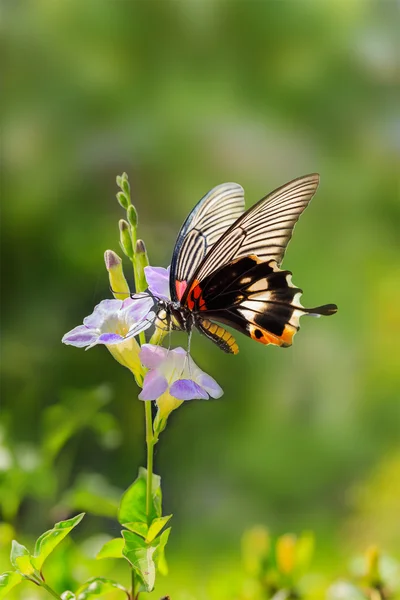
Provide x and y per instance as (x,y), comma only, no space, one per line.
(255,549)
(126,188)
(123,200)
(373,558)
(123,184)
(285,553)
(142,261)
(132,215)
(118,283)
(125,238)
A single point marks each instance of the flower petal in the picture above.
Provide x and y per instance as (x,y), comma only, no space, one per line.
(187,389)
(142,325)
(152,356)
(101,311)
(110,338)
(210,385)
(158,281)
(136,308)
(80,337)
(154,385)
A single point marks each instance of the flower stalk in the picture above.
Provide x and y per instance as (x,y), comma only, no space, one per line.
(139,262)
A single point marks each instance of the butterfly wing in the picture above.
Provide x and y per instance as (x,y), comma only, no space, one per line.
(253,296)
(264,229)
(205,225)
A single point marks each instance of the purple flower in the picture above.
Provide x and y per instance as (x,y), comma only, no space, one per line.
(176,372)
(112,322)
(115,323)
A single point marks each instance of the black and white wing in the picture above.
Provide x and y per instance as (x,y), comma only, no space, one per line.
(263,230)
(207,222)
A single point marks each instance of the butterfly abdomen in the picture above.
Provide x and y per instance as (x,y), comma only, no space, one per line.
(219,335)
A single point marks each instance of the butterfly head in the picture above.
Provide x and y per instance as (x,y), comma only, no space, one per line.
(175,316)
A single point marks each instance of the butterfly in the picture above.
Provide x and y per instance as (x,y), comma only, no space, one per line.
(225,268)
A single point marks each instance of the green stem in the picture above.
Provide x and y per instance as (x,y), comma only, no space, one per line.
(48,589)
(150,448)
(150,441)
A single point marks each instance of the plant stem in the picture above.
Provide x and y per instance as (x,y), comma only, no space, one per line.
(133,595)
(48,589)
(150,448)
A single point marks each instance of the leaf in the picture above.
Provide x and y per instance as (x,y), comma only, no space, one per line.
(97,587)
(133,503)
(21,559)
(49,540)
(138,527)
(140,555)
(145,557)
(156,526)
(160,554)
(112,549)
(8,581)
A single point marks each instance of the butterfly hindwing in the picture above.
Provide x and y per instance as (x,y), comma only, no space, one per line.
(254,297)
(205,225)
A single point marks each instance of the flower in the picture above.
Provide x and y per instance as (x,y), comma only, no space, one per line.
(172,378)
(115,323)
(175,371)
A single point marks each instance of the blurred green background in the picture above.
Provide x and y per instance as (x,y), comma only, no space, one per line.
(184,96)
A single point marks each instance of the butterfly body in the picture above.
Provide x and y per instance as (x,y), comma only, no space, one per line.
(226,267)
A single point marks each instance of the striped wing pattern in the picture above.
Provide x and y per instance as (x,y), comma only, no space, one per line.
(205,225)
(264,230)
(253,296)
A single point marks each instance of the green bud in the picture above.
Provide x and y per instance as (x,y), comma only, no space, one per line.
(126,188)
(123,200)
(123,184)
(142,261)
(132,215)
(125,238)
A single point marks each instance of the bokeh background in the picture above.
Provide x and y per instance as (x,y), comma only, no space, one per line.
(183,96)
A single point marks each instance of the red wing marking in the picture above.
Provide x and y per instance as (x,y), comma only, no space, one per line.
(180,287)
(194,298)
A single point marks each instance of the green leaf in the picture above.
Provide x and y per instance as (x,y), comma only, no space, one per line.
(21,559)
(138,527)
(145,557)
(67,595)
(97,587)
(49,540)
(8,581)
(161,562)
(112,549)
(156,526)
(140,555)
(133,503)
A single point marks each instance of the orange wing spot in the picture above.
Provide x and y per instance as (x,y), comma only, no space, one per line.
(265,337)
(180,287)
